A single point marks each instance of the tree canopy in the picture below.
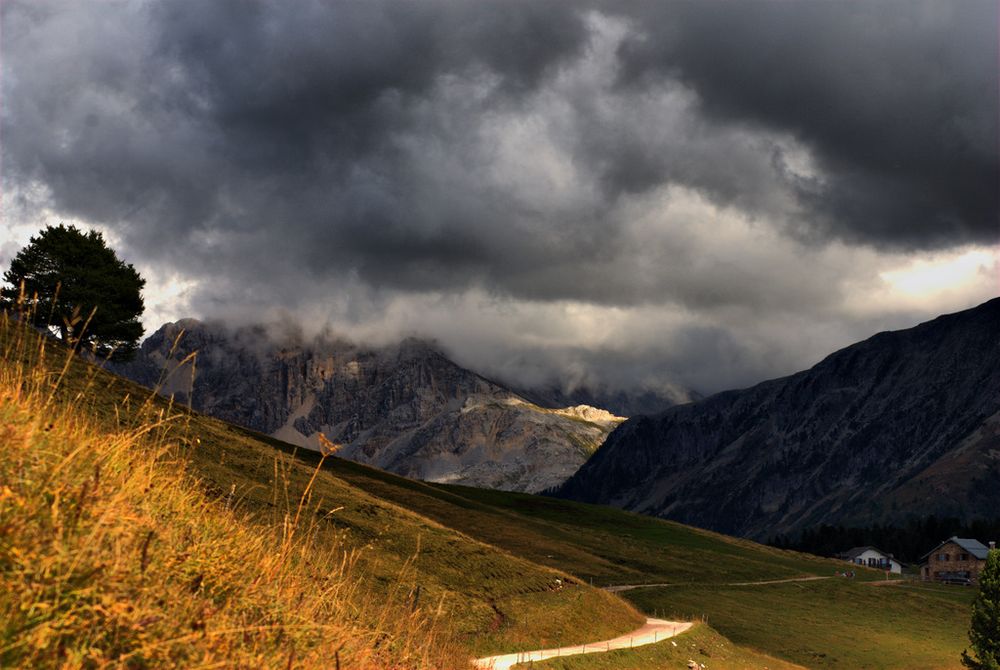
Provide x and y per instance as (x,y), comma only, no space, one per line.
(984,632)
(75,285)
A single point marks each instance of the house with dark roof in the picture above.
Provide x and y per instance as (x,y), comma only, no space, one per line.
(957,560)
(871,557)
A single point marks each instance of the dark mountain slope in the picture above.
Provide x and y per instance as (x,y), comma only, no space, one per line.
(905,423)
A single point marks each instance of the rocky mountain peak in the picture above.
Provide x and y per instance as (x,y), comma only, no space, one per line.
(404,407)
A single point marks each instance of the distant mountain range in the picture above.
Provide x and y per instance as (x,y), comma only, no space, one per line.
(405,408)
(901,425)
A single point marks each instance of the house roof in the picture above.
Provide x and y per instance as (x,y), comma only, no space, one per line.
(974,547)
(851,554)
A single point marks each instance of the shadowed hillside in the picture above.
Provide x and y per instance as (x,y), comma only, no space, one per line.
(906,423)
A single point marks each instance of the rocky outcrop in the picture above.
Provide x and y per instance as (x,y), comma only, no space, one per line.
(622,402)
(905,423)
(405,408)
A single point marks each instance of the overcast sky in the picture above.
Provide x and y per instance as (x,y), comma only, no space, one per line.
(704,194)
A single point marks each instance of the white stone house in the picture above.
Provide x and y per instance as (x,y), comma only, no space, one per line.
(871,557)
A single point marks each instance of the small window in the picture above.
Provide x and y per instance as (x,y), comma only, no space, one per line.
(963,557)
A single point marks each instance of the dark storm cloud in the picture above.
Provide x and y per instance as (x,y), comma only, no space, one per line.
(248,87)
(350,155)
(202,128)
(898,99)
(293,87)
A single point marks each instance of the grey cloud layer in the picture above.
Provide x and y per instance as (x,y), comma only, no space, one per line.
(346,152)
(897,98)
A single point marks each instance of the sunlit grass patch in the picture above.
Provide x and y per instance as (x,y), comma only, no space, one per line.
(112,554)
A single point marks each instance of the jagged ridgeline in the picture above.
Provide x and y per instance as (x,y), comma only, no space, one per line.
(405,408)
(904,424)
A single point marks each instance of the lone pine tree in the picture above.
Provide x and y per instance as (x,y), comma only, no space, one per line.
(72,283)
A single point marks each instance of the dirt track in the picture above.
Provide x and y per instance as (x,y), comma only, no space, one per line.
(628,587)
(654,630)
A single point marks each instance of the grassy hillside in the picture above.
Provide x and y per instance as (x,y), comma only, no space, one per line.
(488,571)
(702,644)
(832,623)
(485,597)
(600,544)
(111,555)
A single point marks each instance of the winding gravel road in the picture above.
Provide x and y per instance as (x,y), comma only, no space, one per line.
(654,630)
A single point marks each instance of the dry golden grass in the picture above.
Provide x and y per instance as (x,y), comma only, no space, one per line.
(112,555)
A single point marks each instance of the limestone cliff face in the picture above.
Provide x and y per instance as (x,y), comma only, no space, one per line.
(905,423)
(404,408)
